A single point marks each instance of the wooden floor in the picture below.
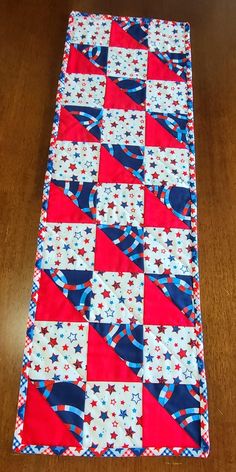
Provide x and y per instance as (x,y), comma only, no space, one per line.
(33,38)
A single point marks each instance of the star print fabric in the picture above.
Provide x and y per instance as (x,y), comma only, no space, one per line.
(113,363)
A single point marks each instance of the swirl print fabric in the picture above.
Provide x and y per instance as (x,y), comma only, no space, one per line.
(113,363)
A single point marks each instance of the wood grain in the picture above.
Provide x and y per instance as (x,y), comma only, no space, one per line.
(33,34)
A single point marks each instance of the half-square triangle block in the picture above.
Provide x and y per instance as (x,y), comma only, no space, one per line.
(42,425)
(111,169)
(159,309)
(78,63)
(53,305)
(118,96)
(103,363)
(157,70)
(159,428)
(157,135)
(119,38)
(112,258)
(157,214)
(62,209)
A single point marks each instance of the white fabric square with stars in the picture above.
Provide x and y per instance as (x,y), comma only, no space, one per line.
(69,246)
(120,204)
(129,63)
(84,90)
(123,127)
(113,415)
(166,166)
(167,250)
(117,297)
(166,36)
(91,31)
(59,351)
(166,96)
(76,161)
(170,355)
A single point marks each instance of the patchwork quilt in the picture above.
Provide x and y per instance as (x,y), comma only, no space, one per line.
(113,362)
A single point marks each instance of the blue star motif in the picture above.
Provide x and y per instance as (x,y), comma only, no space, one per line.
(50,248)
(123,413)
(54,358)
(72,337)
(103,415)
(59,325)
(78,348)
(167,356)
(149,358)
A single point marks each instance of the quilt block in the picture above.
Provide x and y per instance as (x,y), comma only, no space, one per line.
(113,363)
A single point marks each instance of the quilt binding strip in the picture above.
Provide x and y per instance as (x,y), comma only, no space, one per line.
(17,445)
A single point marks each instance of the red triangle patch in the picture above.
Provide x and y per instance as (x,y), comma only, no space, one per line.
(159,309)
(156,135)
(157,70)
(159,428)
(62,209)
(111,170)
(108,257)
(157,214)
(71,130)
(53,305)
(117,98)
(78,63)
(41,423)
(119,38)
(103,364)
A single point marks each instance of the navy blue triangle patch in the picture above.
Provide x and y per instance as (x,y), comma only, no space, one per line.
(82,195)
(182,403)
(136,27)
(75,285)
(179,289)
(89,117)
(174,124)
(128,239)
(131,157)
(127,342)
(134,88)
(97,55)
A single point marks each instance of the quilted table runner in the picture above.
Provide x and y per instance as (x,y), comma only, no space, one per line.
(113,362)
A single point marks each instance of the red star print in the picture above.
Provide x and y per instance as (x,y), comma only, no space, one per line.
(72,166)
(44,331)
(111,389)
(129,432)
(158,262)
(116,285)
(81,252)
(139,420)
(88,418)
(182,353)
(161,329)
(71,260)
(53,342)
(155,175)
(78,364)
(162,380)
